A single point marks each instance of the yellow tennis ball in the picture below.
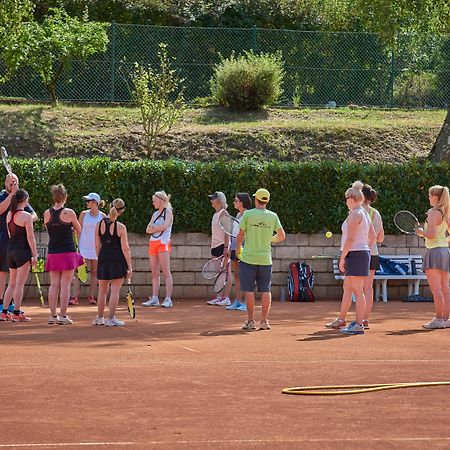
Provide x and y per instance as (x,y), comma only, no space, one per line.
(328,234)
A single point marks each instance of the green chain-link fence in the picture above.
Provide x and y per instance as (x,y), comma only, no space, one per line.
(321,67)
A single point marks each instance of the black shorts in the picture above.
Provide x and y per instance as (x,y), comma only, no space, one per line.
(217,252)
(18,257)
(374,262)
(357,263)
(4,257)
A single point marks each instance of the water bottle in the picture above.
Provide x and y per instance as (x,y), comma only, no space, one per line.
(400,269)
(282,294)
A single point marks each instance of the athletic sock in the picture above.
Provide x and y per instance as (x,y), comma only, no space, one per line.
(5,311)
(16,312)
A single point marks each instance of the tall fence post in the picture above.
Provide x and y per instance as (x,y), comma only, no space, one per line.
(392,78)
(254,38)
(113,60)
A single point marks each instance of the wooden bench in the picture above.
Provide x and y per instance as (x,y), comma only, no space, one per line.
(381,280)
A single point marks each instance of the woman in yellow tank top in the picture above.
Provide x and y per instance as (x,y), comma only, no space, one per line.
(436,262)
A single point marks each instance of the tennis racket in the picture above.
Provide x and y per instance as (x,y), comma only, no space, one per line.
(221,279)
(40,267)
(212,268)
(82,272)
(406,222)
(229,224)
(130,300)
(5,160)
(162,215)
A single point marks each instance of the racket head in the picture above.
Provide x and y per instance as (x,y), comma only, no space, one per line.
(5,160)
(130,305)
(406,222)
(212,268)
(82,273)
(220,281)
(229,224)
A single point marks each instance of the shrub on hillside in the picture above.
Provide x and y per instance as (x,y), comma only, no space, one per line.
(249,81)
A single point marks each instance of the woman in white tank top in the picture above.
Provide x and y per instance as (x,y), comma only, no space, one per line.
(160,230)
(88,220)
(358,236)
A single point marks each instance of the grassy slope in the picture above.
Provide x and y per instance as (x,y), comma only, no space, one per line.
(293,135)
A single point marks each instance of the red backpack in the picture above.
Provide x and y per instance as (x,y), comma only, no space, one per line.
(300,282)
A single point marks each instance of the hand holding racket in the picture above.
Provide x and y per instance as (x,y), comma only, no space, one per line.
(406,222)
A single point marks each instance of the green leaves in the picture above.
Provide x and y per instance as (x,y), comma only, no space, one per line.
(159,96)
(248,82)
(308,197)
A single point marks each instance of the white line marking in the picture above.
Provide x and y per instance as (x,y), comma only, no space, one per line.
(228,441)
(64,444)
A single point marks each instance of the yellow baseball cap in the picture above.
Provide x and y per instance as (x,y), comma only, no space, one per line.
(263,195)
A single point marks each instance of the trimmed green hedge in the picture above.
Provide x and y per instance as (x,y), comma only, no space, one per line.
(308,197)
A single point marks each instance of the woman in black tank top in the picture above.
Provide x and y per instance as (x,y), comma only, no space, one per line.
(21,252)
(114,262)
(62,258)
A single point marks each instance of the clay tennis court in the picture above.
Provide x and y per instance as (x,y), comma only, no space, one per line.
(190,378)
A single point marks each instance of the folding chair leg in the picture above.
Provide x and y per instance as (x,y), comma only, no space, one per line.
(384,290)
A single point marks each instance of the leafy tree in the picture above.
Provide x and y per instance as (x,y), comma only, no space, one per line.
(159,96)
(60,39)
(13,17)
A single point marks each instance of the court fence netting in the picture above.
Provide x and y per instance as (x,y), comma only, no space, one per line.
(322,68)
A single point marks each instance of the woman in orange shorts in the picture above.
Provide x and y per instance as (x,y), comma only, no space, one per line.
(160,230)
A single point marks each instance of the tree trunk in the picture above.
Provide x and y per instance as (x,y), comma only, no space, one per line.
(51,89)
(441,148)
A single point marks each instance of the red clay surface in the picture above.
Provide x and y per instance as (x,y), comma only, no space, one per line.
(190,378)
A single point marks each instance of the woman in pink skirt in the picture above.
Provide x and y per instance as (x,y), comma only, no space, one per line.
(62,258)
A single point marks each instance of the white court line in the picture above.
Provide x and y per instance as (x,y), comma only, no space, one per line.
(228,441)
(161,340)
(64,444)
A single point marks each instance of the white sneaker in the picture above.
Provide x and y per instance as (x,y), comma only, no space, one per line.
(154,301)
(64,320)
(447,323)
(167,303)
(249,325)
(52,320)
(214,301)
(224,302)
(114,322)
(434,324)
(99,321)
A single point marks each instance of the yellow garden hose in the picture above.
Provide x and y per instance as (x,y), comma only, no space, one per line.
(356,388)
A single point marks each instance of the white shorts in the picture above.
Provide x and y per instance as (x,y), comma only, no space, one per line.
(88,253)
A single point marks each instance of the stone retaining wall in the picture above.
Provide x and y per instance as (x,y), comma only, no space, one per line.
(191,250)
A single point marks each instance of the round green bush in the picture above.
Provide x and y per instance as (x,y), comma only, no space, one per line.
(248,82)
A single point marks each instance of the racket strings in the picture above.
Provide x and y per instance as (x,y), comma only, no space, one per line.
(229,224)
(220,281)
(406,221)
(212,268)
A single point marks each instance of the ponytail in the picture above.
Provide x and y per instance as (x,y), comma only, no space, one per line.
(116,209)
(20,196)
(443,195)
(101,204)
(369,193)
(355,192)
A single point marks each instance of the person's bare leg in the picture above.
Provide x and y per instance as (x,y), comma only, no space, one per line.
(266,300)
(368,293)
(154,267)
(10,289)
(250,300)
(164,264)
(21,278)
(434,281)
(3,276)
(64,290)
(103,286)
(445,276)
(93,275)
(53,291)
(357,284)
(346,302)
(237,283)
(114,296)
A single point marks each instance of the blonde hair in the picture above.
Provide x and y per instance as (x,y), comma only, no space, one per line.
(442,193)
(355,192)
(59,193)
(116,208)
(164,197)
(101,204)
